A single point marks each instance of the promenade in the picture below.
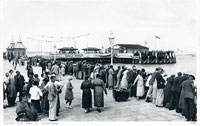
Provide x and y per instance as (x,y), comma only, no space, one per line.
(131,110)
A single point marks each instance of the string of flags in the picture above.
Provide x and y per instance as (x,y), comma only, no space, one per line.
(45,38)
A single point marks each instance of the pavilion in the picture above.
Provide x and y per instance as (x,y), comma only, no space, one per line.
(67,50)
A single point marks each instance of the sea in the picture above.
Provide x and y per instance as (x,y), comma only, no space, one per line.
(184,63)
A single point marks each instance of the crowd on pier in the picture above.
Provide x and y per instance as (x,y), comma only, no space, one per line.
(40,95)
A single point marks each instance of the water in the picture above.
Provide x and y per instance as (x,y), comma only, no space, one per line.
(184,63)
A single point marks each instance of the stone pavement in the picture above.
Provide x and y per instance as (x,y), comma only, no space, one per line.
(131,110)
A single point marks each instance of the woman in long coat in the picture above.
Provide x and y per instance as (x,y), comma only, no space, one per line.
(69,93)
(110,78)
(140,85)
(167,91)
(86,95)
(124,81)
(154,92)
(44,100)
(99,87)
(160,90)
(62,69)
(11,92)
(181,99)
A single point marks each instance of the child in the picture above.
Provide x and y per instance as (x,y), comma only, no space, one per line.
(69,93)
(36,93)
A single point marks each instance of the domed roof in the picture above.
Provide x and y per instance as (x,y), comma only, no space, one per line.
(12,45)
(19,45)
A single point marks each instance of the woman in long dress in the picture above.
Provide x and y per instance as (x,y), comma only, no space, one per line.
(160,90)
(44,99)
(167,91)
(99,87)
(69,96)
(140,85)
(110,78)
(181,99)
(86,95)
(11,89)
(52,98)
(124,81)
(154,93)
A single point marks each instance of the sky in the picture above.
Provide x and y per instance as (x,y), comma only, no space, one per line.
(131,22)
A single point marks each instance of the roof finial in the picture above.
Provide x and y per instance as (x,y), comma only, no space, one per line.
(12,40)
(20,40)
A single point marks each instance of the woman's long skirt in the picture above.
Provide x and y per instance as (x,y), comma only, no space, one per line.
(160,97)
(87,99)
(45,103)
(52,108)
(140,90)
(154,94)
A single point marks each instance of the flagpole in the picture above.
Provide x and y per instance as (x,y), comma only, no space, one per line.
(41,47)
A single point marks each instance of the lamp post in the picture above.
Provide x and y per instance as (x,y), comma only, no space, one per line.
(111,40)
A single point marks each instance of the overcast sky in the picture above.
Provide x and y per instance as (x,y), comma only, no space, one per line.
(131,21)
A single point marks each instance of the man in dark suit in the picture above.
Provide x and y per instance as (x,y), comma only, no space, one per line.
(189,96)
(19,83)
(175,92)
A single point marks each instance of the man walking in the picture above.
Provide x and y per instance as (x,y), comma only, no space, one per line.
(19,83)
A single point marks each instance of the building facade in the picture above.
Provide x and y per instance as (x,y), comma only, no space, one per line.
(128,48)
(16,50)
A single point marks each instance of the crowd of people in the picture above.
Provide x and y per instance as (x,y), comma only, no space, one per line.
(41,96)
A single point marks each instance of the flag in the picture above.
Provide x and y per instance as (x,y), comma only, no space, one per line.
(157,37)
(145,42)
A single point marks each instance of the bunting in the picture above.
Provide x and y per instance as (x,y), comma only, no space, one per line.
(46,38)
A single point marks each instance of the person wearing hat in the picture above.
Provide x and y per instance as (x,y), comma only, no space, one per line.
(84,67)
(68,92)
(160,88)
(132,76)
(140,85)
(175,92)
(25,111)
(62,69)
(10,88)
(55,69)
(44,99)
(19,83)
(71,69)
(119,76)
(30,82)
(110,77)
(98,86)
(150,90)
(52,97)
(13,94)
(29,69)
(188,88)
(153,82)
(181,98)
(59,87)
(86,85)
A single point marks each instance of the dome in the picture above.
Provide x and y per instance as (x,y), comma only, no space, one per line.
(20,45)
(12,45)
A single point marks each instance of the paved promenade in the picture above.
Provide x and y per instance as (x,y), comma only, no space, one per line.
(131,110)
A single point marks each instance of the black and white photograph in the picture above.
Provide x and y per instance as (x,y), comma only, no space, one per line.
(99,60)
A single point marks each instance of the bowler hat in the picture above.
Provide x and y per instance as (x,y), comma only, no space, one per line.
(192,77)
